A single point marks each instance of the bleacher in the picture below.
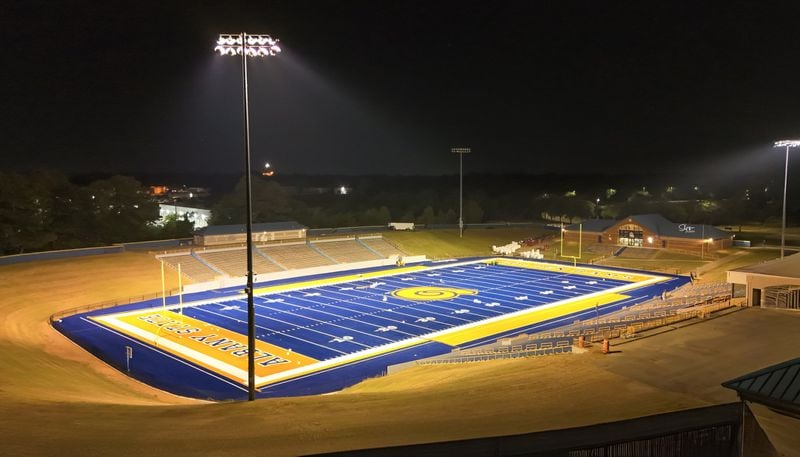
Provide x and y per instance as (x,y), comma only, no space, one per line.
(296,255)
(346,251)
(234,262)
(191,267)
(703,289)
(202,266)
(381,246)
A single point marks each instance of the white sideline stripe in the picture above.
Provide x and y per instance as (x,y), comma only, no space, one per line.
(166,354)
(354,356)
(523,312)
(176,347)
(363,354)
(422,338)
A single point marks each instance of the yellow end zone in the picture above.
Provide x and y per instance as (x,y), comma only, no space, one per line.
(482,329)
(220,350)
(583,271)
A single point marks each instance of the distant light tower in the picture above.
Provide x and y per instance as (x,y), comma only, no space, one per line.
(787,144)
(461,152)
(242,44)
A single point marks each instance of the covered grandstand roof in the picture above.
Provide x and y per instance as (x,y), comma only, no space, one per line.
(776,386)
(240,228)
(788,266)
(657,224)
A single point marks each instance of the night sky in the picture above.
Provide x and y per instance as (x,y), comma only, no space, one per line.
(388,87)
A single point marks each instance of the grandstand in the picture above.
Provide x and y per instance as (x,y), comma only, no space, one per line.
(346,251)
(206,265)
(191,266)
(234,262)
(381,246)
(296,255)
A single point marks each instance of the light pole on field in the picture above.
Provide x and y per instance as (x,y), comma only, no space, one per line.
(787,144)
(246,45)
(460,152)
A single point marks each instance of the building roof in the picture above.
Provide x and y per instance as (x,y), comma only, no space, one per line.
(777,386)
(664,227)
(240,228)
(788,266)
(659,225)
(593,225)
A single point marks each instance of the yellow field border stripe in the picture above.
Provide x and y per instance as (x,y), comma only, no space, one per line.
(567,269)
(335,280)
(508,322)
(215,348)
(339,361)
(536,316)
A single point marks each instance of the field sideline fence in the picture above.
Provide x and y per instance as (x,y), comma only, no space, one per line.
(108,304)
(497,355)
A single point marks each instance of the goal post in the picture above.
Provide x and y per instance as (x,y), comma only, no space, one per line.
(580,245)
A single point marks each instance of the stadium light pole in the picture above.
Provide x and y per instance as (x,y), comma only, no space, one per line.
(246,45)
(461,152)
(787,144)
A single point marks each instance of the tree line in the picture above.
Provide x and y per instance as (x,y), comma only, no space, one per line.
(44,210)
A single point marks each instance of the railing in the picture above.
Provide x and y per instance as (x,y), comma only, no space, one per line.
(498,355)
(107,304)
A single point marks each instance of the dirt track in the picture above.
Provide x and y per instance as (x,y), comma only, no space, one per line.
(57,399)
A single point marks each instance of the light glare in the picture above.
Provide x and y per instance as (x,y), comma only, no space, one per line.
(787,144)
(257,45)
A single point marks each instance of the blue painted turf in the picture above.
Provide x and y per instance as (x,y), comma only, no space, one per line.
(334,320)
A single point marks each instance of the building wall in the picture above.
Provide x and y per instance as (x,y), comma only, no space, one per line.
(611,236)
(759,281)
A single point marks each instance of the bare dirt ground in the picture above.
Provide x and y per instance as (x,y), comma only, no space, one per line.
(57,399)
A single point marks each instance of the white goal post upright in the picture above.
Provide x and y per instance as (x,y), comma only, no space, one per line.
(580,245)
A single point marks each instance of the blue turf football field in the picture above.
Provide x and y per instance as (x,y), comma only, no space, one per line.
(324,334)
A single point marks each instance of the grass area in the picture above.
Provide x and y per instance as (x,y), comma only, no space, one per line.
(748,257)
(673,266)
(442,244)
(759,235)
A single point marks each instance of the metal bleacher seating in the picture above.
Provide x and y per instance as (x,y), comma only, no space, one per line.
(191,267)
(345,251)
(381,246)
(295,255)
(201,266)
(234,262)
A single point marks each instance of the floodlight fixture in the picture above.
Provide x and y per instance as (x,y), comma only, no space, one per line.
(247,45)
(257,45)
(785,144)
(460,152)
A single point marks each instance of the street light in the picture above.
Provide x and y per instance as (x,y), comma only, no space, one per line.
(245,45)
(460,152)
(787,144)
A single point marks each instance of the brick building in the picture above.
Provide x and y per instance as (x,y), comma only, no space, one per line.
(651,231)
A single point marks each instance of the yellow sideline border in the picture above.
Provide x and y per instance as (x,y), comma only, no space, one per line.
(217,349)
(301,365)
(513,321)
(335,280)
(568,269)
